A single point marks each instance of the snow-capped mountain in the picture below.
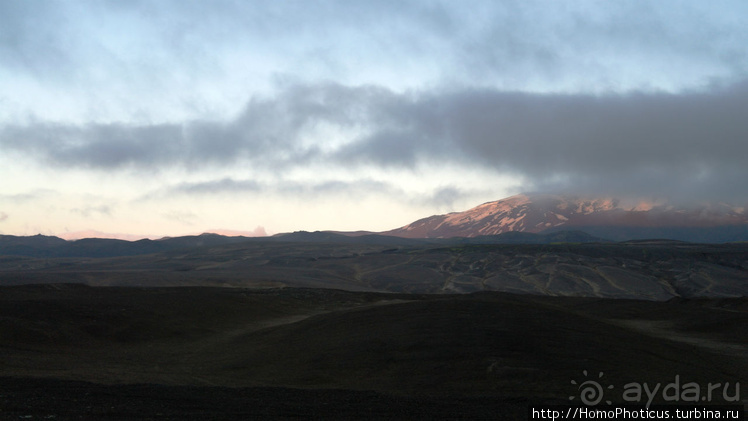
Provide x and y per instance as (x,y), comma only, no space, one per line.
(605,217)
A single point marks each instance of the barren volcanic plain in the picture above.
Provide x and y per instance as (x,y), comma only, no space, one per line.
(268,329)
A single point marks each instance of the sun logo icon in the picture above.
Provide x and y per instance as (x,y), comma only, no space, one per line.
(591,392)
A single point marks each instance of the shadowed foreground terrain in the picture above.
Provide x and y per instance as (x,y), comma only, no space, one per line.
(215,353)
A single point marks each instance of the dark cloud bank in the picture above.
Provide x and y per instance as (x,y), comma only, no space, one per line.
(686,146)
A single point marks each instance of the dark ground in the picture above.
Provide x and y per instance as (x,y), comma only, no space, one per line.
(24,398)
(79,352)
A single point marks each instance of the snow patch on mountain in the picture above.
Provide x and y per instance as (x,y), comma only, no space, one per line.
(538,212)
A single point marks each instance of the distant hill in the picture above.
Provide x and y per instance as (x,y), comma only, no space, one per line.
(36,245)
(344,238)
(608,218)
(54,247)
(49,246)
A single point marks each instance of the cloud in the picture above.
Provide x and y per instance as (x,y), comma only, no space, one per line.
(269,132)
(88,211)
(441,197)
(29,37)
(690,144)
(641,143)
(687,144)
(78,40)
(311,188)
(224,185)
(167,61)
(97,146)
(3,216)
(22,198)
(182,216)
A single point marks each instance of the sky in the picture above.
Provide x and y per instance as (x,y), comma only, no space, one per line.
(163,118)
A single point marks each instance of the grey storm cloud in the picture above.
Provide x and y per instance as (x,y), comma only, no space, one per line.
(96,145)
(657,143)
(269,132)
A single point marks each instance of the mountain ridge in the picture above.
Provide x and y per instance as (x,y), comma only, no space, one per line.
(41,246)
(539,213)
(523,218)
